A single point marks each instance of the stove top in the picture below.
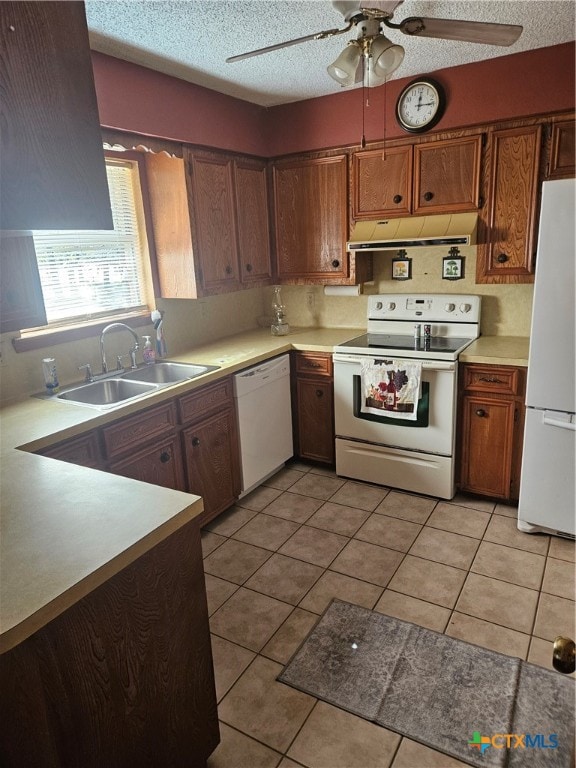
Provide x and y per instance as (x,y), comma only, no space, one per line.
(379,341)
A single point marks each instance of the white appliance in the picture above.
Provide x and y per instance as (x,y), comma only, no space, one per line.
(264,414)
(547,486)
(414,455)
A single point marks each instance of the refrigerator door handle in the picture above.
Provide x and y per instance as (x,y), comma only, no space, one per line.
(551,422)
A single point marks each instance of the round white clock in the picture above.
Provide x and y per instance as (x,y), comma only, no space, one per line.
(420,105)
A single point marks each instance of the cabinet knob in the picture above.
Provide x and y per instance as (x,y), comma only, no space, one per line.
(397,199)
(195,442)
(228,269)
(428,196)
(310,364)
(480,412)
(319,393)
(248,267)
(165,457)
(491,379)
(335,263)
(501,258)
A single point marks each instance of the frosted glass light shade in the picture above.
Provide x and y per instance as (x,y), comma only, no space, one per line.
(343,70)
(385,57)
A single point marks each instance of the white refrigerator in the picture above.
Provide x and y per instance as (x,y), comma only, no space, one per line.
(547,489)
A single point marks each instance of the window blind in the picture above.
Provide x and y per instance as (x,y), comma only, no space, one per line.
(86,274)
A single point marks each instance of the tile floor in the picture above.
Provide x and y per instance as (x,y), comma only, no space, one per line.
(274,561)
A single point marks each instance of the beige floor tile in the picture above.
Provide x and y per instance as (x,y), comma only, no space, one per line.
(498,602)
(284,578)
(417,509)
(235,561)
(315,469)
(508,564)
(314,545)
(259,498)
(230,521)
(559,578)
(318,486)
(360,495)
(293,506)
(210,542)
(249,618)
(217,592)
(389,532)
(464,500)
(265,709)
(458,519)
(562,549)
(301,466)
(504,530)
(411,609)
(540,653)
(239,751)
(338,518)
(333,738)
(343,587)
(445,547)
(230,660)
(266,531)
(287,763)
(368,562)
(414,755)
(488,635)
(291,634)
(284,478)
(429,581)
(507,510)
(555,616)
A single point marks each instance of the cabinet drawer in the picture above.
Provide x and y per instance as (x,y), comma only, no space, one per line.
(490,378)
(131,433)
(83,450)
(205,400)
(317,364)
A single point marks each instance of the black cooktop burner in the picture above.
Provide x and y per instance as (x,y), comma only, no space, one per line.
(404,342)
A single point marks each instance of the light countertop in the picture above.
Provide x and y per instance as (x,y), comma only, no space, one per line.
(497,350)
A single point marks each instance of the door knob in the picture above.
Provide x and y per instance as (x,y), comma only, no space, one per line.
(335,263)
(195,442)
(397,199)
(319,393)
(428,196)
(164,457)
(480,412)
(501,258)
(563,655)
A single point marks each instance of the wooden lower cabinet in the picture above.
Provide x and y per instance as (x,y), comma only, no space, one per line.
(160,464)
(491,429)
(313,406)
(124,677)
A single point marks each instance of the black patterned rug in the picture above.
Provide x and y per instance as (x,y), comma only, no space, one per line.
(481,707)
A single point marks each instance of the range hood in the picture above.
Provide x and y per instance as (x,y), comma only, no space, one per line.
(414,232)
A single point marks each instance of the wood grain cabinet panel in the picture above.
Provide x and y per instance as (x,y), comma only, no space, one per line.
(313,406)
(562,163)
(251,197)
(160,464)
(83,450)
(382,182)
(134,431)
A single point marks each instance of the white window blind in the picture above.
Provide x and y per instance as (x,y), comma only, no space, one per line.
(86,274)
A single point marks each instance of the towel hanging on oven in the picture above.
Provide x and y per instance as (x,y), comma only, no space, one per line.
(391,388)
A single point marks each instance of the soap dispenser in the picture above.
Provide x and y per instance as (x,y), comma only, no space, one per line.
(148,353)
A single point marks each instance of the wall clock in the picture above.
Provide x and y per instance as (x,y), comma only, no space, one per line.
(420,105)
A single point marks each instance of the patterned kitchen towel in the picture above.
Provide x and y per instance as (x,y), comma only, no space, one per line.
(391,388)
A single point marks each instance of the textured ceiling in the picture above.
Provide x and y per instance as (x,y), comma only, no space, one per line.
(191,39)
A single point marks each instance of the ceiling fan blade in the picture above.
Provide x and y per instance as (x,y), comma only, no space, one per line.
(296,41)
(467,31)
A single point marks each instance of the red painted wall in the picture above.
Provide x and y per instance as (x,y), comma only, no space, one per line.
(136,99)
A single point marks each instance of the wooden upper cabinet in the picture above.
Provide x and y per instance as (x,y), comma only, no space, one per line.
(447,175)
(382,182)
(310,209)
(561,163)
(51,157)
(21,300)
(251,195)
(507,236)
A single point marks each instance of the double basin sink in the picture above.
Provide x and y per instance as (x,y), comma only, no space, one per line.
(133,384)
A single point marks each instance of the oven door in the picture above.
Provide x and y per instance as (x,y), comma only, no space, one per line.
(433,432)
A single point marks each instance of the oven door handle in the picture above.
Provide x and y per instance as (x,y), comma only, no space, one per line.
(435,365)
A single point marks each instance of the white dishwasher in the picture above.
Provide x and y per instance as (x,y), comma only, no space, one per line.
(264,419)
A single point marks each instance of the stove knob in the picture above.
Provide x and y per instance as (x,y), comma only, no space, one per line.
(450,307)
(391,305)
(465,307)
(379,305)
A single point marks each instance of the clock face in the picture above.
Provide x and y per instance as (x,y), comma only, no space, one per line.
(420,106)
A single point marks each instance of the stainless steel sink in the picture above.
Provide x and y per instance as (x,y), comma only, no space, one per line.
(107,393)
(166,372)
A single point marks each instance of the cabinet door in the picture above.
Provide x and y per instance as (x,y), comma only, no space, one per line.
(160,464)
(51,157)
(315,413)
(251,195)
(510,240)
(562,163)
(21,299)
(310,208)
(83,450)
(213,221)
(447,175)
(382,183)
(212,462)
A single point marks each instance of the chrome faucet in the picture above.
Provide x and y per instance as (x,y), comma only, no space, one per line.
(131,351)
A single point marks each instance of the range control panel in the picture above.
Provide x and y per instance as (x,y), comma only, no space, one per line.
(451,307)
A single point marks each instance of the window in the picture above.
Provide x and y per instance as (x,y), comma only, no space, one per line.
(92,274)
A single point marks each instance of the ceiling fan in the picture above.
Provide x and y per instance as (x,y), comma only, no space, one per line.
(371,57)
